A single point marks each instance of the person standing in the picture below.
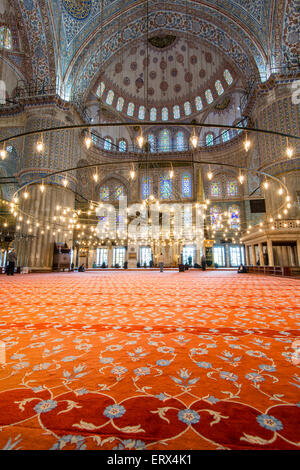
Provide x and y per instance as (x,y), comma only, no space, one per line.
(161,262)
(203,262)
(12,260)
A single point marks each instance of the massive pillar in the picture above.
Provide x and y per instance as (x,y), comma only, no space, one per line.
(270,252)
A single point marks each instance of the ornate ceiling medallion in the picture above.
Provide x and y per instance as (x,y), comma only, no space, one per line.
(79,10)
(162,41)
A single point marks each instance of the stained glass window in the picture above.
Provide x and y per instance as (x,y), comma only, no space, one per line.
(239,124)
(146,187)
(234,215)
(100,89)
(219,87)
(164,141)
(107,143)
(110,97)
(119,192)
(142,111)
(153,114)
(176,111)
(130,109)
(215,189)
(5,38)
(198,103)
(122,146)
(164,114)
(180,144)
(215,215)
(104,193)
(209,96)
(120,103)
(186,185)
(187,108)
(209,139)
(165,188)
(226,136)
(232,188)
(228,77)
(151,140)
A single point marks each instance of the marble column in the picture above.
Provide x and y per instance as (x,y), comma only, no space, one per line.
(261,254)
(285,257)
(253,255)
(270,252)
(298,251)
(247,255)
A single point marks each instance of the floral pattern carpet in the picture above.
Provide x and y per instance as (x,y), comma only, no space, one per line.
(149,360)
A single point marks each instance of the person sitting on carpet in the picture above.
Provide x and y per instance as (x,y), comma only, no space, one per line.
(81,269)
(242,269)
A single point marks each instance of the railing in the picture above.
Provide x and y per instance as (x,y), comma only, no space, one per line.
(274,270)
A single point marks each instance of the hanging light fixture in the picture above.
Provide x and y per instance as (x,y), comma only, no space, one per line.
(289,150)
(241,178)
(65,182)
(3,152)
(132,173)
(247,143)
(40,144)
(171,172)
(42,187)
(96,176)
(266,184)
(88,140)
(210,174)
(194,140)
(140,140)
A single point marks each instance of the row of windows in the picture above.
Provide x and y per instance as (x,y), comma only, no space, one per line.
(216,189)
(165,111)
(234,214)
(5,38)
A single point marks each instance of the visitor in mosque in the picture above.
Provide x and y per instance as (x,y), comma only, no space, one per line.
(203,262)
(242,269)
(161,262)
(81,269)
(12,260)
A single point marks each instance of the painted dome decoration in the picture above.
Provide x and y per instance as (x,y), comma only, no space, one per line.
(78,10)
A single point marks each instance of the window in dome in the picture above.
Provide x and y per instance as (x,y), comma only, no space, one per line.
(180,141)
(176,111)
(209,139)
(110,97)
(122,146)
(164,114)
(130,109)
(219,87)
(209,96)
(234,216)
(225,136)
(228,77)
(151,141)
(153,114)
(215,216)
(198,103)
(186,185)
(142,111)
(100,89)
(239,124)
(120,104)
(215,189)
(164,140)
(146,187)
(104,193)
(5,38)
(107,143)
(165,187)
(232,188)
(187,108)
(119,192)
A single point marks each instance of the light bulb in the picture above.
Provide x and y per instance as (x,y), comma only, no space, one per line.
(194,141)
(25,195)
(42,188)
(171,174)
(210,175)
(88,141)
(65,183)
(241,179)
(96,177)
(40,146)
(3,154)
(247,145)
(266,185)
(280,191)
(289,152)
(140,141)
(132,174)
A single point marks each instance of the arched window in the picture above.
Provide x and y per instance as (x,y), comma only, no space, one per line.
(146,187)
(142,111)
(120,104)
(130,109)
(225,136)
(164,114)
(219,87)
(122,146)
(5,38)
(209,96)
(164,140)
(107,143)
(187,108)
(151,141)
(119,192)
(100,89)
(234,216)
(180,144)
(228,77)
(215,189)
(215,216)
(209,139)
(165,187)
(186,185)
(153,114)
(232,188)
(104,193)
(198,103)
(110,97)
(176,111)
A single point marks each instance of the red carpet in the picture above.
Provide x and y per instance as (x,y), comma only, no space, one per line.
(149,361)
